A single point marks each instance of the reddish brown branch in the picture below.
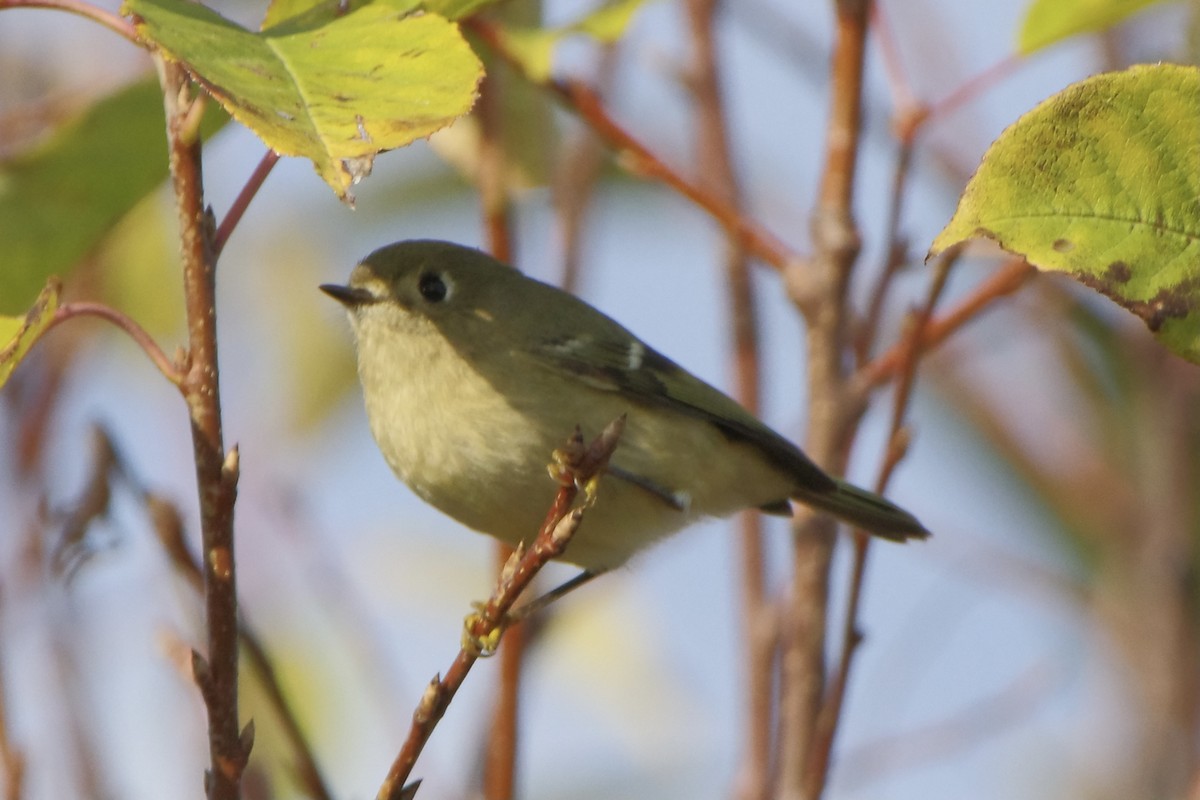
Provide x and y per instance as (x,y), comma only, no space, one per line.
(500,757)
(638,159)
(820,292)
(242,201)
(216,470)
(896,256)
(114,23)
(482,632)
(136,332)
(831,710)
(976,85)
(168,526)
(845,113)
(1005,281)
(716,175)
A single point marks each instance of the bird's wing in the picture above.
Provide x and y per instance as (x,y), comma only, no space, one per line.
(629,367)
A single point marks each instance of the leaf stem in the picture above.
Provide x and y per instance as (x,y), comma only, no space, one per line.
(136,332)
(113,22)
(242,201)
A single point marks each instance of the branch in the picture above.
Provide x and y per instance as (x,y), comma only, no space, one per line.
(897,248)
(581,467)
(1002,283)
(242,201)
(500,756)
(936,743)
(716,172)
(637,158)
(577,172)
(831,709)
(216,470)
(976,85)
(136,332)
(168,527)
(113,22)
(820,293)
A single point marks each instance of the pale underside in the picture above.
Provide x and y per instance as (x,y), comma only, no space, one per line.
(479,452)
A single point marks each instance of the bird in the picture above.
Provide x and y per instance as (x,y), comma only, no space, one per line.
(473,374)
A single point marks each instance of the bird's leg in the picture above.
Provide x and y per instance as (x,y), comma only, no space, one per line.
(542,601)
(676,500)
(486,646)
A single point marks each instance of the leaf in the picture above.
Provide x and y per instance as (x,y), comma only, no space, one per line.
(526,129)
(534,47)
(60,199)
(1050,21)
(17,334)
(317,362)
(336,92)
(138,265)
(1102,181)
(316,11)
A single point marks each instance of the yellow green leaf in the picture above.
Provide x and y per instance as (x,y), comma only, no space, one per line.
(17,334)
(1050,21)
(535,47)
(139,270)
(334,91)
(1102,181)
(527,129)
(314,11)
(59,200)
(608,23)
(317,363)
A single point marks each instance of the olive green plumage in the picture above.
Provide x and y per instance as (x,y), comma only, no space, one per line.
(473,373)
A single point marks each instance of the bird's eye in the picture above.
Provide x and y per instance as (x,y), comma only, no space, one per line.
(432,287)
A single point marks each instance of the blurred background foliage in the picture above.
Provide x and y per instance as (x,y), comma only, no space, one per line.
(1045,644)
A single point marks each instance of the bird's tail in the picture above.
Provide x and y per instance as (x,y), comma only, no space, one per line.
(867,510)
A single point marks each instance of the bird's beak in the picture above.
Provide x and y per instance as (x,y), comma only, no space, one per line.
(347,295)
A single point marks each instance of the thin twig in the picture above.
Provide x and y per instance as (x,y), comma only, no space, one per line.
(716,174)
(216,470)
(820,293)
(831,709)
(242,201)
(71,548)
(500,754)
(579,168)
(986,717)
(168,526)
(113,22)
(901,86)
(896,255)
(893,64)
(638,159)
(136,332)
(1003,282)
(582,466)
(12,758)
(976,85)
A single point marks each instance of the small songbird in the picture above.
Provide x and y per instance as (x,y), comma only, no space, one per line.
(473,374)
